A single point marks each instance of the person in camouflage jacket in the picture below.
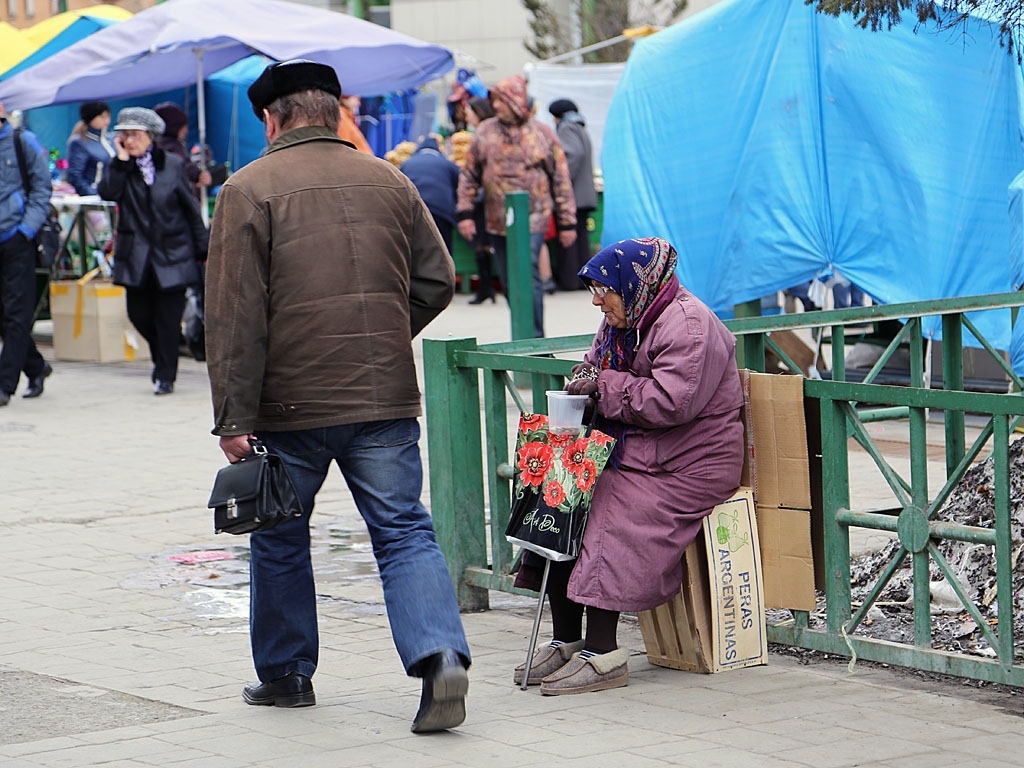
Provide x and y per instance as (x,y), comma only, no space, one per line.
(512,152)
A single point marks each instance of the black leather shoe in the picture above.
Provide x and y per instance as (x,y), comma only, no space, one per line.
(292,690)
(35,384)
(479,299)
(443,700)
(4,398)
(163,387)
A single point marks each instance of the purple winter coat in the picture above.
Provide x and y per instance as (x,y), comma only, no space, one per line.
(682,456)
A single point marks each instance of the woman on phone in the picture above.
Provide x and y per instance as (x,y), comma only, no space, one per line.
(160,236)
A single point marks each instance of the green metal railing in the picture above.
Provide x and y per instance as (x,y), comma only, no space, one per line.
(470,459)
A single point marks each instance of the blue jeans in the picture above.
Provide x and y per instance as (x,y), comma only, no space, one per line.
(380,461)
(501,262)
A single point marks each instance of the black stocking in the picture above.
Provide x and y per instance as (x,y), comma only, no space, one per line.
(601,626)
(566,616)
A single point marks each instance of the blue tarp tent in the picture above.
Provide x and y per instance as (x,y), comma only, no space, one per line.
(772,144)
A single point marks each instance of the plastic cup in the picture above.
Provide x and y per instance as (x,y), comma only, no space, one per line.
(565,411)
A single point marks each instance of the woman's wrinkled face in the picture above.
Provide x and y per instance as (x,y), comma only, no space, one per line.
(610,303)
(136,142)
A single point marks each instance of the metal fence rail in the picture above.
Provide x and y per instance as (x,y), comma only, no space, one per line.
(464,380)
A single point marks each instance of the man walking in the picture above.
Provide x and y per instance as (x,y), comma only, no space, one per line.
(22,212)
(512,152)
(324,264)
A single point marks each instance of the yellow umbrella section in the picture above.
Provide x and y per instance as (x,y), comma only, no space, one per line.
(14,46)
(43,32)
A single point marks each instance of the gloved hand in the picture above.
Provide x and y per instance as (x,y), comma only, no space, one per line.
(582,387)
(584,371)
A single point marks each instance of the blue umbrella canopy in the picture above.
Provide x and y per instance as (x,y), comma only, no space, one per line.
(174,43)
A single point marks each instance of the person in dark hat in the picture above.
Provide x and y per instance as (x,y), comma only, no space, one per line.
(89,147)
(324,265)
(160,236)
(172,140)
(572,133)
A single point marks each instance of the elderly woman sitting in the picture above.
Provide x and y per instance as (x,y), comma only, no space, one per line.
(662,374)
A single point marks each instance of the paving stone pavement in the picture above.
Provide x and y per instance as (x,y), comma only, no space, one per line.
(123,633)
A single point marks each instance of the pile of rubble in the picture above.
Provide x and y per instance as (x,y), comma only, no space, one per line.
(971,503)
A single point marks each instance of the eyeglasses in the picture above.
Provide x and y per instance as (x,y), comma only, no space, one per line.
(599,290)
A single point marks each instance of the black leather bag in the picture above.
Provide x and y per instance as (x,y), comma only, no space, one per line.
(254,494)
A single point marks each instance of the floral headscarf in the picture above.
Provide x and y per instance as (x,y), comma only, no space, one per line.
(642,272)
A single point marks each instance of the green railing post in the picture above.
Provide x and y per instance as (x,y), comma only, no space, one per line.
(835,483)
(953,379)
(456,465)
(520,264)
(750,350)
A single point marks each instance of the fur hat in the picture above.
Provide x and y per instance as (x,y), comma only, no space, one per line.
(90,110)
(174,117)
(285,77)
(560,106)
(140,119)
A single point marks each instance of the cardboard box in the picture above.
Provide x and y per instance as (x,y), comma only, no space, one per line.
(775,461)
(90,322)
(787,561)
(716,622)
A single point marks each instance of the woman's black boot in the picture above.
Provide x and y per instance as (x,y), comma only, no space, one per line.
(485,289)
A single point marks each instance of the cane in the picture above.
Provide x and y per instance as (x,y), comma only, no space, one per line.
(536,624)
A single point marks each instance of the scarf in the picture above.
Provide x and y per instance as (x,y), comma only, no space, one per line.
(145,163)
(642,272)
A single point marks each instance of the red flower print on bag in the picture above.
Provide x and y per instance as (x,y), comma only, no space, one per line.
(529,422)
(535,460)
(560,439)
(574,454)
(554,494)
(586,476)
(601,438)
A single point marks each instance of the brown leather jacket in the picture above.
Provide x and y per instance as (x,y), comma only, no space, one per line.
(324,264)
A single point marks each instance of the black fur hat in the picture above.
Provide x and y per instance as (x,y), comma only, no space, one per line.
(285,77)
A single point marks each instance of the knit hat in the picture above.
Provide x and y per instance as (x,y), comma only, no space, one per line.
(90,110)
(140,119)
(285,77)
(560,106)
(174,117)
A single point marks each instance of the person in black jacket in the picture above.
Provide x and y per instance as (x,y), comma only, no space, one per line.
(160,236)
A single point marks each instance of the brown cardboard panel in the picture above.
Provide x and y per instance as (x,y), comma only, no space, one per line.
(716,621)
(787,561)
(776,440)
(90,323)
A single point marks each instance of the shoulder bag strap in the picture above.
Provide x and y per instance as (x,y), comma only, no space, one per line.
(19,150)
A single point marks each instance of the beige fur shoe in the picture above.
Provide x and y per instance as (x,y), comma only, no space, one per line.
(547,660)
(598,673)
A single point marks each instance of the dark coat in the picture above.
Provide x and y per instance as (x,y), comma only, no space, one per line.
(324,264)
(87,156)
(572,132)
(158,227)
(436,178)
